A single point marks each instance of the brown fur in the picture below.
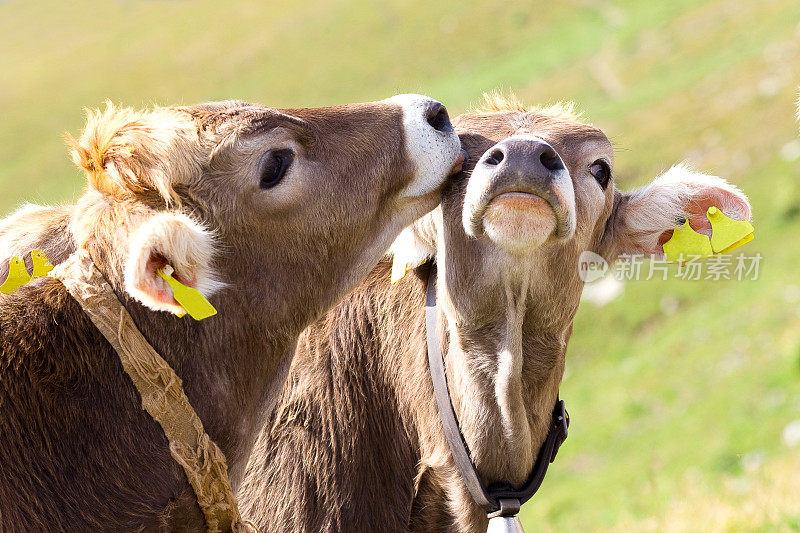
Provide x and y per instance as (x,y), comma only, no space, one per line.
(78,452)
(356,443)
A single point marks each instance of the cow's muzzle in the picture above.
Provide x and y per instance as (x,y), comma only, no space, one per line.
(520,192)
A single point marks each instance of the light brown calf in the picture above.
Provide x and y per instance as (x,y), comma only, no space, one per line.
(356,443)
(273,214)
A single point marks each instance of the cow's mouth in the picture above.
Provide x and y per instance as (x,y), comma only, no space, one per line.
(520,219)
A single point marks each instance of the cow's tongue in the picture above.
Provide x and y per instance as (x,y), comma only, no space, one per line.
(458,166)
(519,220)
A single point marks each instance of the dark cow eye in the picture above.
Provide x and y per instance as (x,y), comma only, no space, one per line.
(600,171)
(274,165)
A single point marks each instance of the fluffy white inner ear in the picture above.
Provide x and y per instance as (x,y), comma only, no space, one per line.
(651,213)
(170,239)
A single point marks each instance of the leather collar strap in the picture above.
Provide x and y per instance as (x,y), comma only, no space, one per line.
(499,499)
(161,391)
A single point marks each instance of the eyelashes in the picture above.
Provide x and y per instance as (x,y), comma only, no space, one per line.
(274,166)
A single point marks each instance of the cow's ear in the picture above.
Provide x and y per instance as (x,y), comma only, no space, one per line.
(176,240)
(415,245)
(643,220)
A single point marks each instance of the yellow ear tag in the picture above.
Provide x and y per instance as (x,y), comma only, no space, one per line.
(168,270)
(41,264)
(727,233)
(688,243)
(17,275)
(190,298)
(399,270)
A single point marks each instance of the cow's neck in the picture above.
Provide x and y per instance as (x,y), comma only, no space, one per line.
(231,370)
(503,373)
(234,365)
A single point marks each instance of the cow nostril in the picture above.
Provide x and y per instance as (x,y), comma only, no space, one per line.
(438,118)
(495,158)
(550,160)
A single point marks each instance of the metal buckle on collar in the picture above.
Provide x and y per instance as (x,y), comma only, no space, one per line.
(508,507)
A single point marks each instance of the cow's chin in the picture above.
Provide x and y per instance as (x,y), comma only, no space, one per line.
(519,222)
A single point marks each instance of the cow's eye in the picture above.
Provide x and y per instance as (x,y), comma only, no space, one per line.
(600,171)
(274,165)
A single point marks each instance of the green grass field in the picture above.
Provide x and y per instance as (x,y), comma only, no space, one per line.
(679,391)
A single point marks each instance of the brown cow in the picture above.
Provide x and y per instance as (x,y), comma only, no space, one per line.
(274,214)
(356,443)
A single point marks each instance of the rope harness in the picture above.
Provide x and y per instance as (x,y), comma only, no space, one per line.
(498,499)
(161,391)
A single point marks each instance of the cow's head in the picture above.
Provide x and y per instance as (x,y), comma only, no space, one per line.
(541,192)
(302,200)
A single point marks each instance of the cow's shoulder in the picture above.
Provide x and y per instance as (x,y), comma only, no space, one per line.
(72,427)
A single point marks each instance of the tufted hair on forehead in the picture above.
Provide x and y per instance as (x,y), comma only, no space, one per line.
(126,153)
(497,102)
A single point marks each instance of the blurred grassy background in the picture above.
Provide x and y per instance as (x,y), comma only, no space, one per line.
(682,394)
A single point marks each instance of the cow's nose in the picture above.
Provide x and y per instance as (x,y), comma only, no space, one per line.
(436,115)
(508,177)
(430,140)
(524,159)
